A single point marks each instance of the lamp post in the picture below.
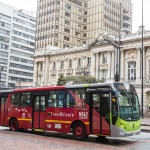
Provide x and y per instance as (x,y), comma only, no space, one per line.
(117,74)
(142,67)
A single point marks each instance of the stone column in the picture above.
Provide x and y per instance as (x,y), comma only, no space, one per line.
(43,73)
(57,68)
(122,66)
(46,71)
(74,66)
(35,80)
(112,65)
(38,73)
(65,66)
(108,65)
(138,65)
(93,65)
(50,69)
(97,65)
(84,61)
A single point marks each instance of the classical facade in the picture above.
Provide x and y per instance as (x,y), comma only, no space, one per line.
(67,23)
(98,60)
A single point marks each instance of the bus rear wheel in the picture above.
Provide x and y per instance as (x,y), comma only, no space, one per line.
(14,125)
(79,131)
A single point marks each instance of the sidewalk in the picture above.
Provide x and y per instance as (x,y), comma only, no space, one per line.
(145,127)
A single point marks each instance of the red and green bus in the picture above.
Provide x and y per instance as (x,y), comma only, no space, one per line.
(102,109)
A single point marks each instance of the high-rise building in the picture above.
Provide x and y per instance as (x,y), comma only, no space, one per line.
(17,40)
(65,23)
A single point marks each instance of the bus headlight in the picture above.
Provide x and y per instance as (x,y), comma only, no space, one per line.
(122,126)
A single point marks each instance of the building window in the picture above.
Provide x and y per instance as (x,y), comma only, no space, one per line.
(104,75)
(88,61)
(54,66)
(85,5)
(67,30)
(67,22)
(84,42)
(77,33)
(62,65)
(68,6)
(70,64)
(65,45)
(84,34)
(85,20)
(67,14)
(104,58)
(79,63)
(85,13)
(85,27)
(66,38)
(131,70)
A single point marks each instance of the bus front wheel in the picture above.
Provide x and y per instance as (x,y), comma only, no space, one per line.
(79,131)
(14,125)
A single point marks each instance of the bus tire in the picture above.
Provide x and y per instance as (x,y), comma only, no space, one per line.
(14,125)
(79,131)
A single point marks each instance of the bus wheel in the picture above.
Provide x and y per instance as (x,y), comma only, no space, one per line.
(14,125)
(79,131)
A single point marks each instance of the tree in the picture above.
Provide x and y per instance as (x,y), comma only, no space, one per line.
(77,80)
(61,80)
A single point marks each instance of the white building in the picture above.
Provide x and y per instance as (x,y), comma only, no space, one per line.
(98,60)
(17,40)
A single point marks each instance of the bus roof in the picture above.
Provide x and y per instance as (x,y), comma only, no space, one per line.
(5,91)
(90,85)
(110,84)
(39,88)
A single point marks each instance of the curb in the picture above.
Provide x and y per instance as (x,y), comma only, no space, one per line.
(145,125)
(145,130)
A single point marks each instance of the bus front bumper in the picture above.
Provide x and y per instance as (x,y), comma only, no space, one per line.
(118,132)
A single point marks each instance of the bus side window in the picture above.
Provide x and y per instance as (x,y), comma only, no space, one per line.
(70,101)
(25,100)
(42,103)
(50,102)
(61,97)
(15,99)
(52,99)
(78,96)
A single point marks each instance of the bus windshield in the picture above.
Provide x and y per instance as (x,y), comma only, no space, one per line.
(129,108)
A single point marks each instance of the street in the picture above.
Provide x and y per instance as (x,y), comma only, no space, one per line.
(55,141)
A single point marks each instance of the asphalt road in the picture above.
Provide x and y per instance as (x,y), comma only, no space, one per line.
(55,141)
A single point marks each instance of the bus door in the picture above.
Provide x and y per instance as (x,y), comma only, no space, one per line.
(39,112)
(100,113)
(3,110)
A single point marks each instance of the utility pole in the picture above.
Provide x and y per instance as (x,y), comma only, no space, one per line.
(117,75)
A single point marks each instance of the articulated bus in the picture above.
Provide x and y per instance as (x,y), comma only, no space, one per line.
(102,109)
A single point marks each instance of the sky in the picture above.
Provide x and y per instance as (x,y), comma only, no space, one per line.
(31,5)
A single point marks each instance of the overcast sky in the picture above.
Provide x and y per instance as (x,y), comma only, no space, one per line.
(30,5)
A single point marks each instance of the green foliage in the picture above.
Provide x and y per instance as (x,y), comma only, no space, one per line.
(61,80)
(77,80)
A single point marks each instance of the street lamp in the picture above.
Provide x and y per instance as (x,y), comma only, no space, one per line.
(142,67)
